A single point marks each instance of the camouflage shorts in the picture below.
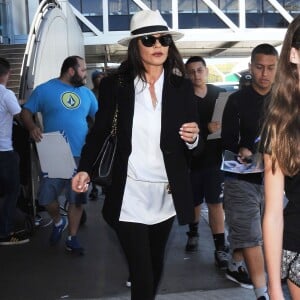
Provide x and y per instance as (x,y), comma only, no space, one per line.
(290,266)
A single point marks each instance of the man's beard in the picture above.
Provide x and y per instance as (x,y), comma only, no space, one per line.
(77,81)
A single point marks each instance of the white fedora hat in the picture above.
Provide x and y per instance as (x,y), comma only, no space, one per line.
(146,22)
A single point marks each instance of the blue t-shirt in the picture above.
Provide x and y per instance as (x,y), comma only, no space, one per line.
(64,108)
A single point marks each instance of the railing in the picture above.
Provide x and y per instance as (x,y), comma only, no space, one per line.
(31,45)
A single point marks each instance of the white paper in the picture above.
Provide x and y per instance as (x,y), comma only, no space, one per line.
(55,156)
(232,163)
(218,113)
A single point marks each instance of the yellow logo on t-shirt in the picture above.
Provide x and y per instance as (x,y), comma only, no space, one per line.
(70,100)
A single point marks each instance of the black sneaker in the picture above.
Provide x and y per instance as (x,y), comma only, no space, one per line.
(240,276)
(192,242)
(262,298)
(73,246)
(14,239)
(222,258)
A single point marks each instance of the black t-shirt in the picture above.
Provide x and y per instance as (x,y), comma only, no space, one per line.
(241,125)
(212,152)
(291,235)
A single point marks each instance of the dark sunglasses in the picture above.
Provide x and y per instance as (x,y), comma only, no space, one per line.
(296,44)
(150,40)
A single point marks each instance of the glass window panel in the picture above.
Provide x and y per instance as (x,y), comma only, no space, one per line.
(148,3)
(76,4)
(202,7)
(254,6)
(133,8)
(267,7)
(1,18)
(88,7)
(187,6)
(118,7)
(229,5)
(292,6)
(92,7)
(162,5)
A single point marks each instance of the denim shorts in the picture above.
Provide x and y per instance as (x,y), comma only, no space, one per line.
(207,184)
(51,188)
(243,205)
(290,266)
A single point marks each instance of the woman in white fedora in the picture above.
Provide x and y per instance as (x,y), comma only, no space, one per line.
(157,130)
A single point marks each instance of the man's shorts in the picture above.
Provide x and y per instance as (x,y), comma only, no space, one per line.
(51,188)
(207,184)
(290,266)
(243,205)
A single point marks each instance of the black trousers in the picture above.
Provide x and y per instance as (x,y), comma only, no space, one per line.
(144,247)
(9,188)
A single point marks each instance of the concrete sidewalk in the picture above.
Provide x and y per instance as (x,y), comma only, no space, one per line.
(36,271)
(220,294)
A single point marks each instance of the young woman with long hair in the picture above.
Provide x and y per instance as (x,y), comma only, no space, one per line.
(281,141)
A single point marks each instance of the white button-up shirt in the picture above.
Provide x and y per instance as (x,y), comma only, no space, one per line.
(146,199)
(9,106)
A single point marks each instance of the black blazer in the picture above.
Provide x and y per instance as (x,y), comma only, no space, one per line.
(178,107)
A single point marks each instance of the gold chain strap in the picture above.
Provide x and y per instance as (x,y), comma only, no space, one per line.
(114,123)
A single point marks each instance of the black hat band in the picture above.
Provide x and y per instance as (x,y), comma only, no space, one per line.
(149,29)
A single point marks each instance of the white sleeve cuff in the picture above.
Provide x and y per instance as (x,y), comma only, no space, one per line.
(194,145)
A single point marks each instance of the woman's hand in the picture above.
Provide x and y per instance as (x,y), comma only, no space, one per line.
(80,182)
(189,132)
(213,127)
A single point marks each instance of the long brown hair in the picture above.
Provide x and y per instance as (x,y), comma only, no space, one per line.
(281,129)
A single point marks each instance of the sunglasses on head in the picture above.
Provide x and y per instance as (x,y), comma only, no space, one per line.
(150,40)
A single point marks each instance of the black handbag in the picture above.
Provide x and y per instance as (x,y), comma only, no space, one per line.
(103,165)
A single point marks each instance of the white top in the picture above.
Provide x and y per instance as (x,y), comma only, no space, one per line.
(145,197)
(9,106)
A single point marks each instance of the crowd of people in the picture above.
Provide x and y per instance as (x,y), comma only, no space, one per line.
(169,157)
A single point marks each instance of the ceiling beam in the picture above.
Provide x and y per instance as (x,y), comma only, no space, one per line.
(221,15)
(222,48)
(281,10)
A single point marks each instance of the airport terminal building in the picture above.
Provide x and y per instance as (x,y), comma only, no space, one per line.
(36,36)
(212,28)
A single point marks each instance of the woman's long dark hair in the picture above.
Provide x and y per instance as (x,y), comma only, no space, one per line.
(281,127)
(133,66)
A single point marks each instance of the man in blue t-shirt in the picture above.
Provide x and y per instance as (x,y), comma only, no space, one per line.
(64,104)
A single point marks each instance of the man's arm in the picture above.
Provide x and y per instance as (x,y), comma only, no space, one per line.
(34,130)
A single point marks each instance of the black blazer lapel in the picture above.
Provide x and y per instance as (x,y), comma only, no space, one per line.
(125,98)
